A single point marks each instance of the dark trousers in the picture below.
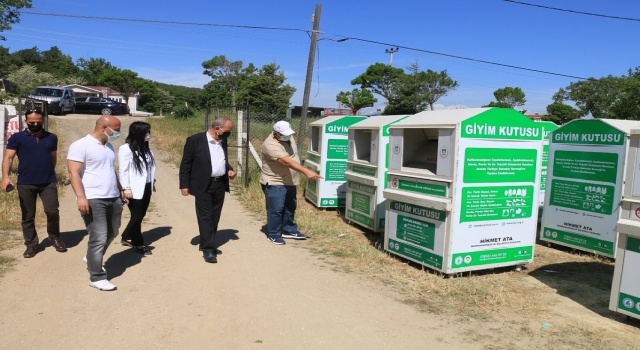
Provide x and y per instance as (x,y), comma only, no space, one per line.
(208,210)
(49,195)
(138,209)
(281,209)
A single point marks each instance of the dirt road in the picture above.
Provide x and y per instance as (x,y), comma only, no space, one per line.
(258,296)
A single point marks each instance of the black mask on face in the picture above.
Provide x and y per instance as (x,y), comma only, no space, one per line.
(224,135)
(35,127)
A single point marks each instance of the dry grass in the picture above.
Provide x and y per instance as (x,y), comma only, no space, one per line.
(502,308)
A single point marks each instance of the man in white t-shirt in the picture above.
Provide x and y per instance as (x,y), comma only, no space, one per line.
(98,192)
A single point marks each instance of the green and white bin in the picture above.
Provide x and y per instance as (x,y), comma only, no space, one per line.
(463,189)
(625,289)
(327,155)
(547,129)
(367,170)
(584,184)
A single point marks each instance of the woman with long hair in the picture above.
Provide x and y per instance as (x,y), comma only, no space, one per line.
(137,170)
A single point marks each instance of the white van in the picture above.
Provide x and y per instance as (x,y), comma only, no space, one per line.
(59,99)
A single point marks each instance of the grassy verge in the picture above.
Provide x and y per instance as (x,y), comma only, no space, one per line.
(486,303)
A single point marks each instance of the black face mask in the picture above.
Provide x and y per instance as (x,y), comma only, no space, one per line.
(34,128)
(224,135)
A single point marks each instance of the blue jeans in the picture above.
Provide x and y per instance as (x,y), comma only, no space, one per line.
(103,223)
(281,208)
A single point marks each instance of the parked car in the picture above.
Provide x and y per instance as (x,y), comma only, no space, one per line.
(100,105)
(59,99)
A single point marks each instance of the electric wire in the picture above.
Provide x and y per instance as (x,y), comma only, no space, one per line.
(573,11)
(343,38)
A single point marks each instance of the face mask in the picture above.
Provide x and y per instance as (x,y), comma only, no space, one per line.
(147,137)
(34,128)
(284,138)
(224,135)
(114,136)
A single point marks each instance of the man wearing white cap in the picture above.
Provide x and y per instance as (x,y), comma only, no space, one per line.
(279,179)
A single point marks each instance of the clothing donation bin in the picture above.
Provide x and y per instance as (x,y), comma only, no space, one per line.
(547,128)
(463,188)
(625,289)
(367,170)
(327,155)
(584,184)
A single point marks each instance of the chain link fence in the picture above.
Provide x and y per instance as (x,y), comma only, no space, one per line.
(250,130)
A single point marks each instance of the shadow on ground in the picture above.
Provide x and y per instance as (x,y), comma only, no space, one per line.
(71,239)
(118,263)
(222,237)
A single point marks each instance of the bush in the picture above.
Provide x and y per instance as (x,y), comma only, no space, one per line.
(182,112)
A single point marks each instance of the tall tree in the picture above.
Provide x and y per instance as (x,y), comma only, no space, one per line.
(561,113)
(436,85)
(266,91)
(5,61)
(27,78)
(408,93)
(607,97)
(379,78)
(57,63)
(230,72)
(215,93)
(125,81)
(25,57)
(508,97)
(93,68)
(10,13)
(356,99)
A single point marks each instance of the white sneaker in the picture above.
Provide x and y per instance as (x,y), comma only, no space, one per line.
(102,285)
(84,260)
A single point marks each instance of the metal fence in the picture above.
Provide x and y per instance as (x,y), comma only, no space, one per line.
(250,130)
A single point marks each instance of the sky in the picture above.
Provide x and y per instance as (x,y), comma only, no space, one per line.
(498,31)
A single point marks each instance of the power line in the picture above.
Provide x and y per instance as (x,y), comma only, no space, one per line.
(344,38)
(163,22)
(573,11)
(468,58)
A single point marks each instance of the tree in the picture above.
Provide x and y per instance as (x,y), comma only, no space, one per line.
(57,63)
(230,72)
(437,85)
(356,99)
(125,81)
(607,97)
(266,91)
(379,78)
(5,61)
(27,78)
(215,94)
(419,90)
(25,57)
(10,13)
(93,68)
(561,113)
(508,97)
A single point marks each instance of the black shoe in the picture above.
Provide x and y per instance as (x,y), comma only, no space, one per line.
(218,251)
(210,257)
(142,250)
(124,242)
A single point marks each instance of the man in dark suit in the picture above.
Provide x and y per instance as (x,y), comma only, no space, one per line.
(205,174)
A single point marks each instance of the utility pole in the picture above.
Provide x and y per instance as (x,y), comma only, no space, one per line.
(391,51)
(307,84)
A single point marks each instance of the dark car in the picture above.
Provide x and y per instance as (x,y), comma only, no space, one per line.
(100,105)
